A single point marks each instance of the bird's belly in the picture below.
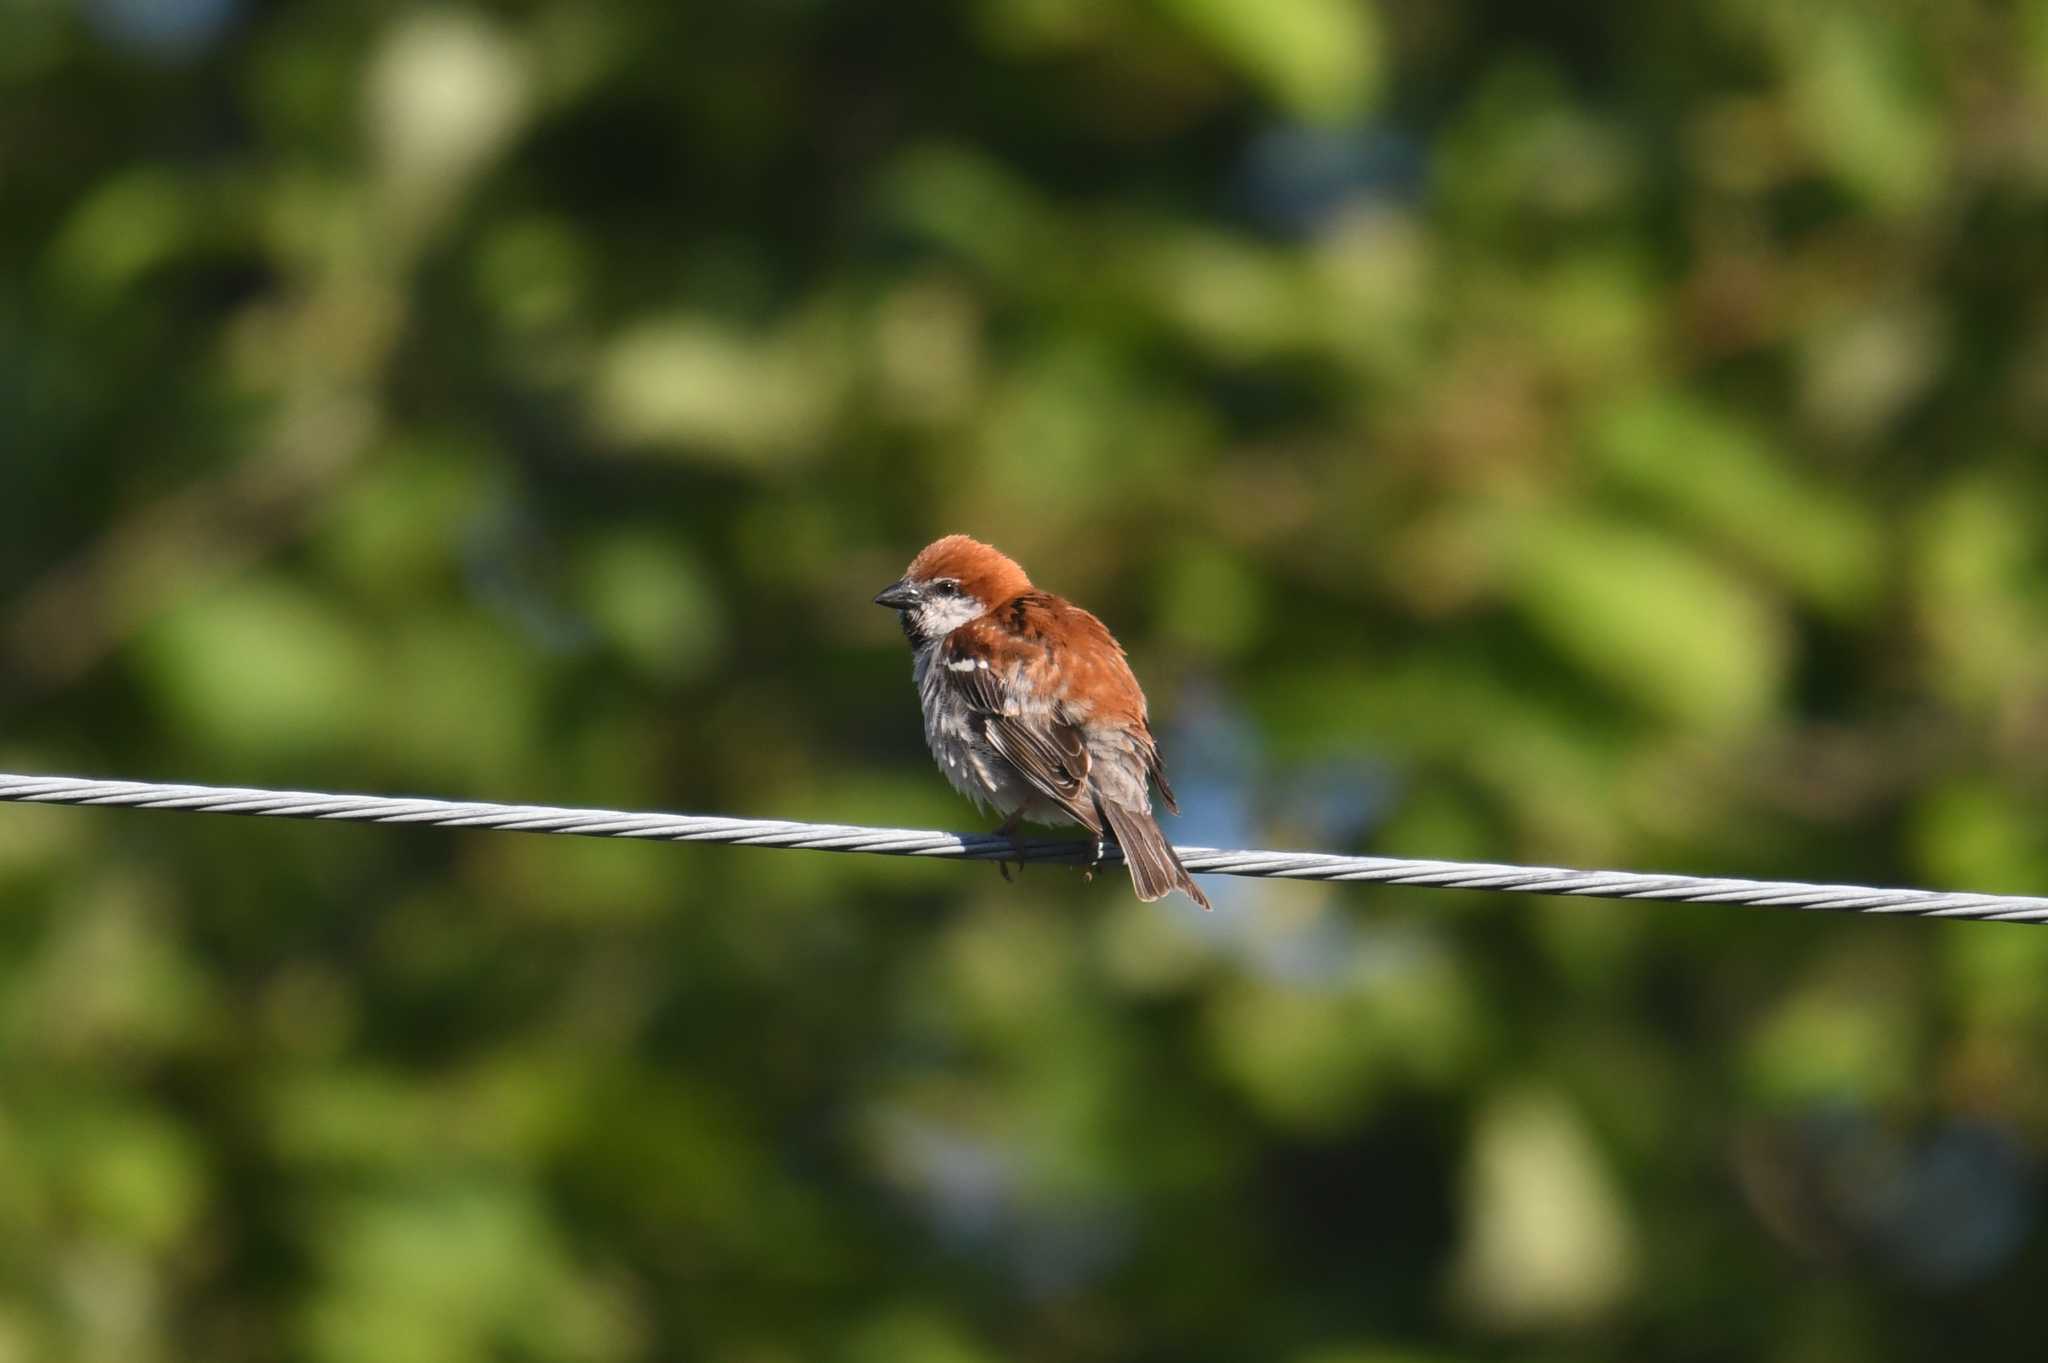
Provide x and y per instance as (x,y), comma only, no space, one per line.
(973,768)
(985,776)
(970,765)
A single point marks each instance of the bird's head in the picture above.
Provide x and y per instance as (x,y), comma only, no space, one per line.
(951,581)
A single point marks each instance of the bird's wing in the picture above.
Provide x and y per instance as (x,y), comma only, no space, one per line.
(990,671)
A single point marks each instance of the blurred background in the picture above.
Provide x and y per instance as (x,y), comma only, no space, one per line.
(1591,433)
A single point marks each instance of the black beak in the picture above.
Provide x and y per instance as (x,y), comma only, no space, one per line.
(898,595)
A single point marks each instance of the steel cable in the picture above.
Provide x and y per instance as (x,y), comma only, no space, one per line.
(917,842)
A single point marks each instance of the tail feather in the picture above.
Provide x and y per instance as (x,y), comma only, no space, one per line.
(1155,870)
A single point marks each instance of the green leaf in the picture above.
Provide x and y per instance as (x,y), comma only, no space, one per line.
(1652,619)
(1319,58)
(1710,472)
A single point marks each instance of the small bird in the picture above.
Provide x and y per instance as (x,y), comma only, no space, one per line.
(1030,707)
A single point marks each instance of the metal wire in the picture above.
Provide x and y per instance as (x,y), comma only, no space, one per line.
(917,842)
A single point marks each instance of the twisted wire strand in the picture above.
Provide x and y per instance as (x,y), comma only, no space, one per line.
(918,842)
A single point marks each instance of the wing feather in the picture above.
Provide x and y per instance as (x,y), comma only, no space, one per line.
(1045,746)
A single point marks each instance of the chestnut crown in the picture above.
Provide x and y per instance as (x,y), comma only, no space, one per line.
(951,581)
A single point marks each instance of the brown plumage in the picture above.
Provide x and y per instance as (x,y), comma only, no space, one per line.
(1030,707)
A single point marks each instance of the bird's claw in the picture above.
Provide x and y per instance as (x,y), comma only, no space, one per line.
(1088,871)
(1009,830)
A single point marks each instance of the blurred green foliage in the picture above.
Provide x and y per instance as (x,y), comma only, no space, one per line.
(1594,433)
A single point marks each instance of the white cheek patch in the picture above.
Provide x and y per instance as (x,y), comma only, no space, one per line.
(940,616)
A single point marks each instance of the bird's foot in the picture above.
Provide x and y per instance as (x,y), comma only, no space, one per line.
(1088,871)
(1008,829)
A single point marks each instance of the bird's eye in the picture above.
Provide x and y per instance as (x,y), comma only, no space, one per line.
(946,586)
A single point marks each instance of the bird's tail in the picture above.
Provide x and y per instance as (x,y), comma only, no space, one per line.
(1155,870)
